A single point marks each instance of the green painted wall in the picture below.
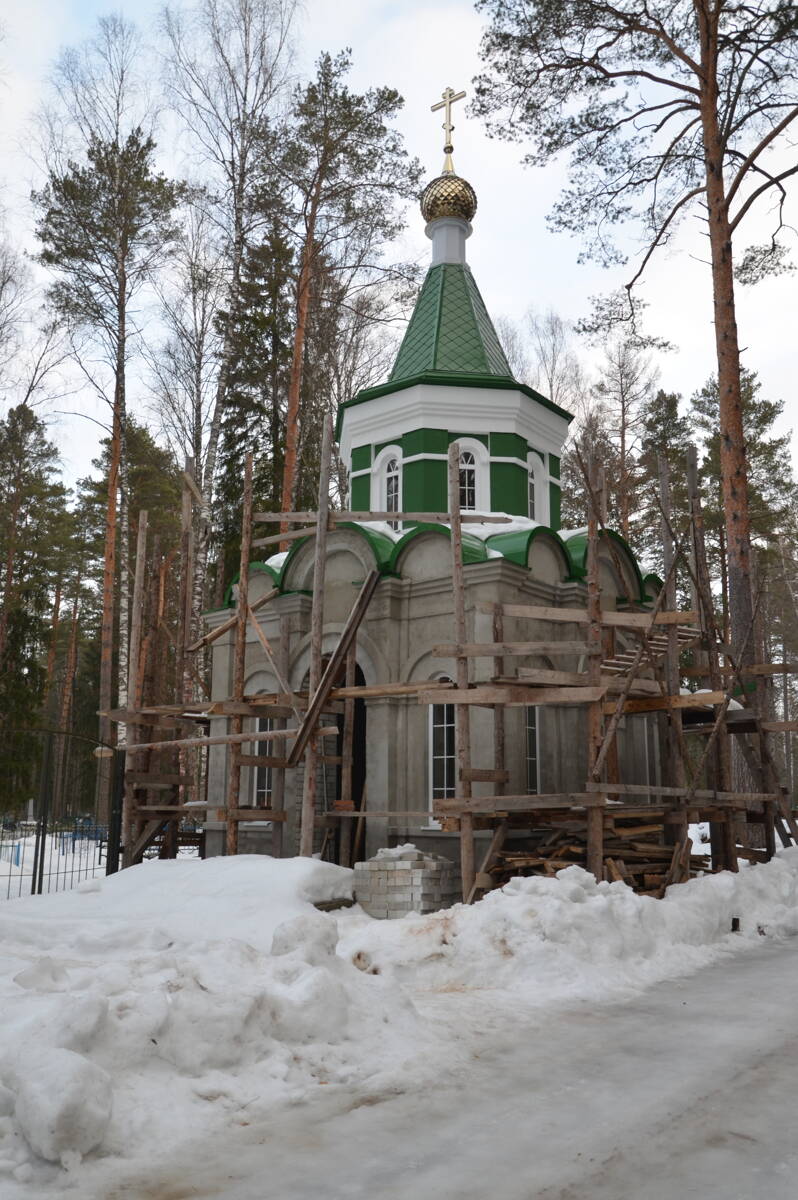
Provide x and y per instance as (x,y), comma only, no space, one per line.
(361,493)
(554,506)
(361,458)
(475,437)
(554,466)
(508,445)
(425,441)
(508,489)
(424,486)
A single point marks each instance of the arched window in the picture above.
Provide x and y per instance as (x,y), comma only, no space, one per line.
(392,489)
(442,757)
(386,482)
(468,480)
(537,489)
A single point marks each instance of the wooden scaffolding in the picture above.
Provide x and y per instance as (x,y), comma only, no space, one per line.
(637,833)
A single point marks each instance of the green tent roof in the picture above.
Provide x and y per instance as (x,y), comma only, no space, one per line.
(450,330)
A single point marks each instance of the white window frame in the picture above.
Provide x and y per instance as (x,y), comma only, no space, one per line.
(379,480)
(262,725)
(538,483)
(431,726)
(481,472)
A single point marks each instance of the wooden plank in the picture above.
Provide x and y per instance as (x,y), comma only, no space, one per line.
(147,835)
(248,814)
(578,616)
(336,660)
(262,760)
(484,775)
(510,649)
(226,626)
(526,804)
(515,695)
(646,704)
(432,518)
(378,690)
(757,669)
(780,726)
(188,479)
(226,739)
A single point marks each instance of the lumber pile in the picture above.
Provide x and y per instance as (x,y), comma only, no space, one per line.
(634,852)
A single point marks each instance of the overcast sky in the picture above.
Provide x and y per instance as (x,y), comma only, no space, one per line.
(419,47)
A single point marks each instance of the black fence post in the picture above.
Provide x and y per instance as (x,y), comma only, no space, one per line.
(37,879)
(115,815)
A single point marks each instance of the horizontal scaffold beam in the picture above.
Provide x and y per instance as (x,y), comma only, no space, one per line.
(507,649)
(665,703)
(578,616)
(515,695)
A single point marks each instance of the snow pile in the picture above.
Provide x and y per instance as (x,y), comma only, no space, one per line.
(180,1000)
(202,991)
(570,939)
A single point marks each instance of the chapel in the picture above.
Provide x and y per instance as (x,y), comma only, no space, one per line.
(451,382)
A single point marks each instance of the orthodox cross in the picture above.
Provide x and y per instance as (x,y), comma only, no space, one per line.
(450,96)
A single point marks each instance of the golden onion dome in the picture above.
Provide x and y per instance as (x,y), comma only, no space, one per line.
(448,196)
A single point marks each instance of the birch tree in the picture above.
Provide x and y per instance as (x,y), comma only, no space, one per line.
(226,70)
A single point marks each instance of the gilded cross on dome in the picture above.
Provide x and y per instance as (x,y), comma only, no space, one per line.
(449,97)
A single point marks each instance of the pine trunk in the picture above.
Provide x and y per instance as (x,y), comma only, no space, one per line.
(733,465)
(295,378)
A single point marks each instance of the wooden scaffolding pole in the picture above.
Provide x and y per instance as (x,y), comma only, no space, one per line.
(462,711)
(595,717)
(239,658)
(676,774)
(309,783)
(722,839)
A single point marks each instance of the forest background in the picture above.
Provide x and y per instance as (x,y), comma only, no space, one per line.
(245,296)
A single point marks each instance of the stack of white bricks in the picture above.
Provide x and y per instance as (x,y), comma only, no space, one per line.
(404,880)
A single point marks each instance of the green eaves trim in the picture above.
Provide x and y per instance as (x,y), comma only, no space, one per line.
(445,379)
(255,566)
(514,546)
(474,549)
(576,545)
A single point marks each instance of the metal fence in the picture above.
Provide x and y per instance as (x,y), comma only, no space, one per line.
(36,857)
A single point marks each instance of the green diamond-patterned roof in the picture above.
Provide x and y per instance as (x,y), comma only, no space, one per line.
(450,330)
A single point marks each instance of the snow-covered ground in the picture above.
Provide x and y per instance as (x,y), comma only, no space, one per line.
(201,1029)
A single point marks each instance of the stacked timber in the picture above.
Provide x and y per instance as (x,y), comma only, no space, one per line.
(634,853)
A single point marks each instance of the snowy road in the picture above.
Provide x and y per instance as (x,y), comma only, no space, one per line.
(688,1091)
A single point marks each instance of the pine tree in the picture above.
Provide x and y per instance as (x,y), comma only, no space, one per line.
(771,487)
(34,524)
(105,224)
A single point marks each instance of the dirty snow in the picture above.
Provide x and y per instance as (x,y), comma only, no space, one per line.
(178,1001)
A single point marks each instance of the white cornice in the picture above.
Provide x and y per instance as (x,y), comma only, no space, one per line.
(445,406)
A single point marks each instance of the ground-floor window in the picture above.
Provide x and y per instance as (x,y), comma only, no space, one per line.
(262,776)
(442,757)
(532,771)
